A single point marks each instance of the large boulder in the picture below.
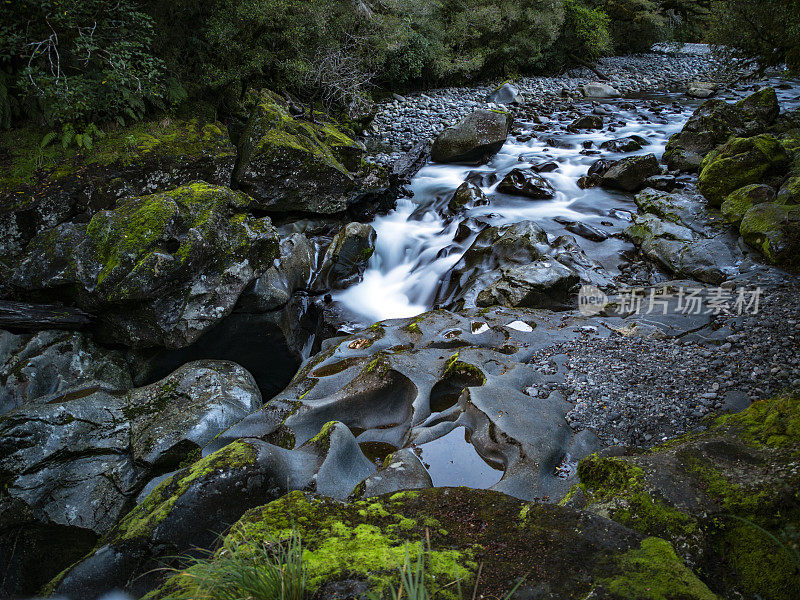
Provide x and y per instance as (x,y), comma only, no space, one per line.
(671,230)
(346,258)
(361,547)
(507,93)
(630,174)
(518,256)
(774,230)
(73,463)
(599,90)
(159,269)
(48,362)
(714,122)
(738,202)
(726,498)
(189,508)
(141,159)
(740,162)
(290,165)
(537,285)
(586,122)
(474,139)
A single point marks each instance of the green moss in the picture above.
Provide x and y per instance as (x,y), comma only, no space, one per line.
(363,539)
(764,568)
(740,162)
(272,131)
(456,368)
(141,521)
(617,480)
(772,423)
(162,138)
(655,572)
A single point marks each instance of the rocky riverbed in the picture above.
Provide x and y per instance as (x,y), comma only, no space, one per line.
(260,325)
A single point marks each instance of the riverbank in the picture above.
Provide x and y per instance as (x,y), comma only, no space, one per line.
(406,120)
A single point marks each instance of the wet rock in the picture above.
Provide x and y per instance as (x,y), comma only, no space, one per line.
(291,272)
(525,183)
(626,144)
(75,461)
(545,167)
(22,316)
(600,167)
(586,122)
(714,122)
(738,202)
(150,157)
(404,168)
(774,230)
(740,162)
(48,362)
(186,510)
(719,497)
(507,93)
(701,89)
(402,470)
(630,174)
(289,165)
(158,270)
(664,183)
(789,193)
(498,249)
(474,139)
(544,284)
(669,231)
(599,90)
(583,230)
(346,258)
(467,195)
(568,548)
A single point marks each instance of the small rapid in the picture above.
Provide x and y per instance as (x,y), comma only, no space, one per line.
(417,242)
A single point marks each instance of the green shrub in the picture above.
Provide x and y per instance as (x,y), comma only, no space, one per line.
(765,30)
(78,61)
(585,36)
(635,25)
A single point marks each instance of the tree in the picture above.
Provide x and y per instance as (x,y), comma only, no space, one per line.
(766,31)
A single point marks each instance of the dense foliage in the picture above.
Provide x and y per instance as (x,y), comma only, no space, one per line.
(81,62)
(766,30)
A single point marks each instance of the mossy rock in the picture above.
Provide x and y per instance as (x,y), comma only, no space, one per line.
(774,230)
(714,122)
(158,269)
(738,202)
(565,552)
(288,164)
(728,499)
(45,187)
(740,162)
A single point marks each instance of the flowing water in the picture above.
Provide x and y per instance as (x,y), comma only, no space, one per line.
(415,242)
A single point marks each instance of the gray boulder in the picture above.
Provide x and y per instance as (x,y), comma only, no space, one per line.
(672,231)
(74,462)
(48,362)
(526,183)
(346,257)
(630,174)
(544,284)
(474,139)
(158,270)
(466,195)
(599,90)
(507,93)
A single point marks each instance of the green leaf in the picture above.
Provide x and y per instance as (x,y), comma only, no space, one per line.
(48,139)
